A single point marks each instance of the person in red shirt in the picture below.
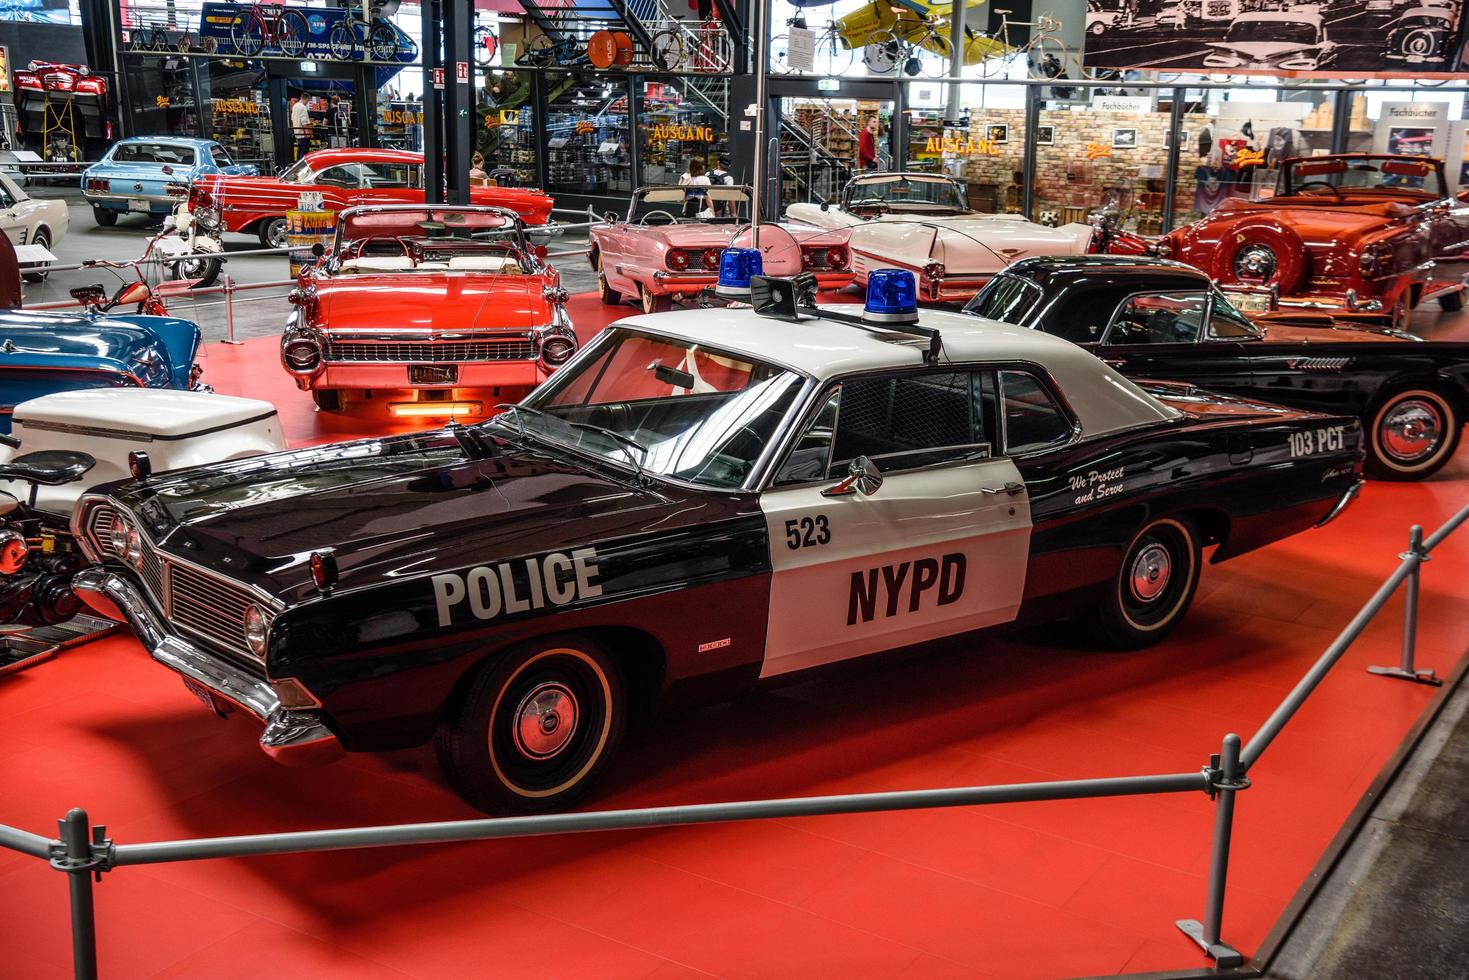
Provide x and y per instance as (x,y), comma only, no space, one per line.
(867,145)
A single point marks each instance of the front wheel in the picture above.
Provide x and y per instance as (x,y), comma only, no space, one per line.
(39,273)
(1153,586)
(327,399)
(1452,302)
(202,268)
(1413,433)
(292,31)
(382,43)
(536,727)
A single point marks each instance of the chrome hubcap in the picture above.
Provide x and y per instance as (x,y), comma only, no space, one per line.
(1150,572)
(1254,262)
(1412,430)
(545,721)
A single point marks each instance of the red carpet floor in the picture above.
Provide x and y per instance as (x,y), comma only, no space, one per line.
(1024,890)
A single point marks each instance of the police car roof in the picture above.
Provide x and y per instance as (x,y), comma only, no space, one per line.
(1102,399)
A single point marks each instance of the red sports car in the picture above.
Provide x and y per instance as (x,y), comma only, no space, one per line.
(430,309)
(1360,235)
(343,178)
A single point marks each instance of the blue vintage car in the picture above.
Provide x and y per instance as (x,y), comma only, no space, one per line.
(151,174)
(42,353)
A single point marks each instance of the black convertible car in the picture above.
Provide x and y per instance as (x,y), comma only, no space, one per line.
(1151,318)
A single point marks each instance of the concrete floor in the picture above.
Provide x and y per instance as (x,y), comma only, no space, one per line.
(1397,905)
(264,311)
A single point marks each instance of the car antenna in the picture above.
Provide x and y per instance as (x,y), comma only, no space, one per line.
(794,298)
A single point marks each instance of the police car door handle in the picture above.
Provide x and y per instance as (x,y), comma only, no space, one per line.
(1011,488)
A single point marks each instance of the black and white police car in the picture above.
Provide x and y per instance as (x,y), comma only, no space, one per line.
(697,501)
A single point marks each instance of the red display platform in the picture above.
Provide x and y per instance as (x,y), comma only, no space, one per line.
(1022,890)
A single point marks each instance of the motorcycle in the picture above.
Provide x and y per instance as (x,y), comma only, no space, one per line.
(1110,238)
(196,242)
(149,298)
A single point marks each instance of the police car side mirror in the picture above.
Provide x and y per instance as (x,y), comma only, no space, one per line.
(862,477)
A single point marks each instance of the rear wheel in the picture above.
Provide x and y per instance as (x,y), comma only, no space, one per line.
(536,727)
(1452,302)
(105,217)
(273,233)
(1153,586)
(327,399)
(1413,433)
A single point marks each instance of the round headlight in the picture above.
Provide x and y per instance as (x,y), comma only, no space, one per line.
(257,630)
(302,355)
(119,538)
(207,218)
(134,556)
(556,351)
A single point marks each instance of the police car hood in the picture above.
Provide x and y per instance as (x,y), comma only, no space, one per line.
(391,508)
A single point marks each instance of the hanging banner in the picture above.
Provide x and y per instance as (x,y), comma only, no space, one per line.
(1272,38)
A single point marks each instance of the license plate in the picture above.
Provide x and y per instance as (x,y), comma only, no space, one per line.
(211,700)
(1248,302)
(433,374)
(136,205)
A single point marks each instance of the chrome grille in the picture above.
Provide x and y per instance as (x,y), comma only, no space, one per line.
(155,577)
(99,526)
(518,349)
(211,607)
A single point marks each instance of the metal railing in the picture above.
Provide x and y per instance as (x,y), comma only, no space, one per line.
(83,851)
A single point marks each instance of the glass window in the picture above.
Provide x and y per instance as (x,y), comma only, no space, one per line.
(168,153)
(6,201)
(1227,323)
(221,158)
(1033,420)
(347,175)
(810,458)
(1008,299)
(906,422)
(399,175)
(1162,318)
(676,408)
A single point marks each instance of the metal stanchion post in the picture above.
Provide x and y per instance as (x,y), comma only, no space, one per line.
(1225,782)
(1417,555)
(77,860)
(228,284)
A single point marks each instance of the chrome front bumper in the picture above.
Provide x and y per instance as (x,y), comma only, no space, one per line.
(293,737)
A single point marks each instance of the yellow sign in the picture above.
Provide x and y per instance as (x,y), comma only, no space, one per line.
(962,145)
(1096,150)
(237,105)
(401,117)
(586,126)
(692,134)
(1246,157)
(161,102)
(509,117)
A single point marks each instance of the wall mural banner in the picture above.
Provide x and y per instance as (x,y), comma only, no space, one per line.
(1359,37)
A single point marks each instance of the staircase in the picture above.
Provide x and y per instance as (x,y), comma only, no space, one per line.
(809,170)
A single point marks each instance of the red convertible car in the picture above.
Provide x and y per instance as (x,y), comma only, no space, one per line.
(1359,235)
(430,309)
(657,254)
(343,178)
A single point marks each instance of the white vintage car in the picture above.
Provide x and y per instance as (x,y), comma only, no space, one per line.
(1289,40)
(920,221)
(175,428)
(33,226)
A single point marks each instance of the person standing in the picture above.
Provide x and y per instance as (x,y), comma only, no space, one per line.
(721,177)
(867,145)
(301,125)
(695,176)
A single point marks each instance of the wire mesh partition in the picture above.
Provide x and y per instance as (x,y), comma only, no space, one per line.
(83,851)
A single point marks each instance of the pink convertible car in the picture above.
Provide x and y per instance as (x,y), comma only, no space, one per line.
(656,254)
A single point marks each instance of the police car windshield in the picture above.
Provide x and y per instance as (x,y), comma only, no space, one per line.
(684,411)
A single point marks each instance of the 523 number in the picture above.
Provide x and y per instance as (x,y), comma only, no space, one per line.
(807,531)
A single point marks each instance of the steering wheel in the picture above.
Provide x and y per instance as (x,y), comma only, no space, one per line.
(1321,183)
(361,246)
(672,219)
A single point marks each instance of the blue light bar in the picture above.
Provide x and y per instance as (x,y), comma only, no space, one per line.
(736,266)
(892,297)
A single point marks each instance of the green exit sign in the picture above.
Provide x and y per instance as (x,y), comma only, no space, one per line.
(828,84)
